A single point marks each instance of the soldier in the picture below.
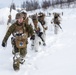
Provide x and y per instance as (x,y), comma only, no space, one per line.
(42,20)
(38,31)
(27,19)
(56,21)
(20,32)
(10,21)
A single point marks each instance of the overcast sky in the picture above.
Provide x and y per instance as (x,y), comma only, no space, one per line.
(6,3)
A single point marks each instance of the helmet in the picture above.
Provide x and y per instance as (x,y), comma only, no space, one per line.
(23,10)
(25,14)
(56,14)
(19,15)
(41,14)
(9,16)
(34,17)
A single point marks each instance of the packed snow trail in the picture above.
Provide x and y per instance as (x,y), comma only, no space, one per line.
(58,57)
(6,55)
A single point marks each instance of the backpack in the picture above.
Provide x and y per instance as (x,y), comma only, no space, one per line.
(41,20)
(26,21)
(56,18)
(37,29)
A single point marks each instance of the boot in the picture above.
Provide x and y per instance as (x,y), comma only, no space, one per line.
(16,64)
(22,61)
(44,44)
(39,43)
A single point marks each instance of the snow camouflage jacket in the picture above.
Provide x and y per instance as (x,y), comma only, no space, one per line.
(12,29)
(41,19)
(28,21)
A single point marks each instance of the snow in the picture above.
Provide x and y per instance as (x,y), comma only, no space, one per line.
(58,57)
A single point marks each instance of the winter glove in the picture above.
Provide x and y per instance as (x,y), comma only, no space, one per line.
(45,28)
(37,32)
(3,44)
(32,37)
(40,34)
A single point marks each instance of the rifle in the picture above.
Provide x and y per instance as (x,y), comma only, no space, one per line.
(11,6)
(9,16)
(37,32)
(41,38)
(60,27)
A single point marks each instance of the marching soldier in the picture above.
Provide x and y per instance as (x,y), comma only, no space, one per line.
(10,21)
(42,20)
(56,20)
(38,32)
(20,32)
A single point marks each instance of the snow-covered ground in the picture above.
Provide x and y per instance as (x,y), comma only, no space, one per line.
(58,57)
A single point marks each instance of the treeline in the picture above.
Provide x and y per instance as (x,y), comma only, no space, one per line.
(30,5)
(34,4)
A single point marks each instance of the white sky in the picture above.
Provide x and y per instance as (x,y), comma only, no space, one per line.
(6,3)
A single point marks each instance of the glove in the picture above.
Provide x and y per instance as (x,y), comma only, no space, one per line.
(3,44)
(45,28)
(37,32)
(40,34)
(32,37)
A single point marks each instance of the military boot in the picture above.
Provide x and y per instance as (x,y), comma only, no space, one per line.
(39,42)
(22,60)
(16,64)
(44,44)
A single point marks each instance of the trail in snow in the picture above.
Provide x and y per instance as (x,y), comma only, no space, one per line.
(54,43)
(31,56)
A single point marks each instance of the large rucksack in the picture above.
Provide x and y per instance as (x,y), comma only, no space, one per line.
(26,21)
(56,18)
(42,21)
